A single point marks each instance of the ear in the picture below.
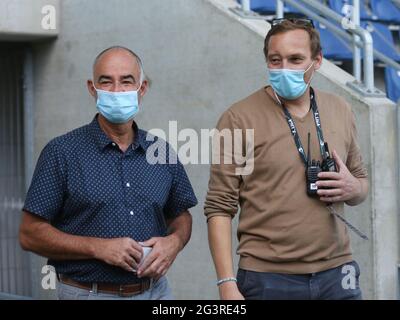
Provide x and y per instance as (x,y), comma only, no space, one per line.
(318,61)
(143,89)
(90,87)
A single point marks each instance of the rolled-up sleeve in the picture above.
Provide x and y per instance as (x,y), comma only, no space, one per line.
(45,197)
(224,184)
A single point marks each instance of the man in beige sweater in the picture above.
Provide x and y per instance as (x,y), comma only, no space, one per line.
(290,245)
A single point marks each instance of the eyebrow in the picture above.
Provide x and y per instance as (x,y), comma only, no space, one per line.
(125,77)
(273,55)
(297,55)
(294,55)
(129,76)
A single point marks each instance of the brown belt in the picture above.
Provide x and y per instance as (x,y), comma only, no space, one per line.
(127,290)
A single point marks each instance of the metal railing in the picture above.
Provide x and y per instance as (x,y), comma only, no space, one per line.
(356,50)
(360,38)
(246,5)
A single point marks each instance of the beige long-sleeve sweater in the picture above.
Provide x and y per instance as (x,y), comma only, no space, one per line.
(281,229)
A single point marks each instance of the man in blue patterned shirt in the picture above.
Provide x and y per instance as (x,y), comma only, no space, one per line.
(95,201)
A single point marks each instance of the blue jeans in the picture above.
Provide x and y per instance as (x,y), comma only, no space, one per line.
(340,283)
(160,290)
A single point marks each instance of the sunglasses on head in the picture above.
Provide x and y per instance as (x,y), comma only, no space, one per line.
(298,21)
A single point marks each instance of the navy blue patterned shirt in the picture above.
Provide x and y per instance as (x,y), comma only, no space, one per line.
(85,185)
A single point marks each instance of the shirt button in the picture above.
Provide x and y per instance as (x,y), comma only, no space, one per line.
(131,213)
(113,144)
(128,184)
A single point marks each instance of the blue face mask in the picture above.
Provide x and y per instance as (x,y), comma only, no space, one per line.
(288,83)
(118,107)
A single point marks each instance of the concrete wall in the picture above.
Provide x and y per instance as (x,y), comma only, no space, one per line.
(27,20)
(201,59)
(378,215)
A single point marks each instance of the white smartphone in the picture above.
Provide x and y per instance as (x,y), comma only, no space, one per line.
(146,251)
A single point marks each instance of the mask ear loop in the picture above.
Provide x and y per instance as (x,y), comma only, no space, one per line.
(140,86)
(276,96)
(94,85)
(309,82)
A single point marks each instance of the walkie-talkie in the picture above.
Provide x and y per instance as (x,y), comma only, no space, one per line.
(328,163)
(312,170)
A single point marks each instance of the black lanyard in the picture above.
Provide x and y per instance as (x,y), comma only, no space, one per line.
(303,156)
(295,134)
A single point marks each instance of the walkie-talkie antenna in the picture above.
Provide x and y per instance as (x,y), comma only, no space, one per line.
(308,150)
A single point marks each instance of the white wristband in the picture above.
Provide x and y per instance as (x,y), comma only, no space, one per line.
(219,282)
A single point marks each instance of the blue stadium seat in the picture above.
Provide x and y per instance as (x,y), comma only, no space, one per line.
(392,79)
(386,10)
(289,9)
(383,39)
(268,7)
(333,47)
(343,7)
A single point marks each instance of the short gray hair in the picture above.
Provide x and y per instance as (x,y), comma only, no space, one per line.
(138,60)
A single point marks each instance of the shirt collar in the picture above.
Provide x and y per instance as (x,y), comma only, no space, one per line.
(102,140)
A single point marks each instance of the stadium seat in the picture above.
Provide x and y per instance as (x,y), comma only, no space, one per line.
(333,47)
(269,7)
(383,39)
(344,7)
(386,10)
(392,79)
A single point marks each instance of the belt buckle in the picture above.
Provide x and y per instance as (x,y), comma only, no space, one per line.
(121,291)
(94,288)
(122,294)
(143,288)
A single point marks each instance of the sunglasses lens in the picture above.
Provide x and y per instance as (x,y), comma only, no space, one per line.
(299,21)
